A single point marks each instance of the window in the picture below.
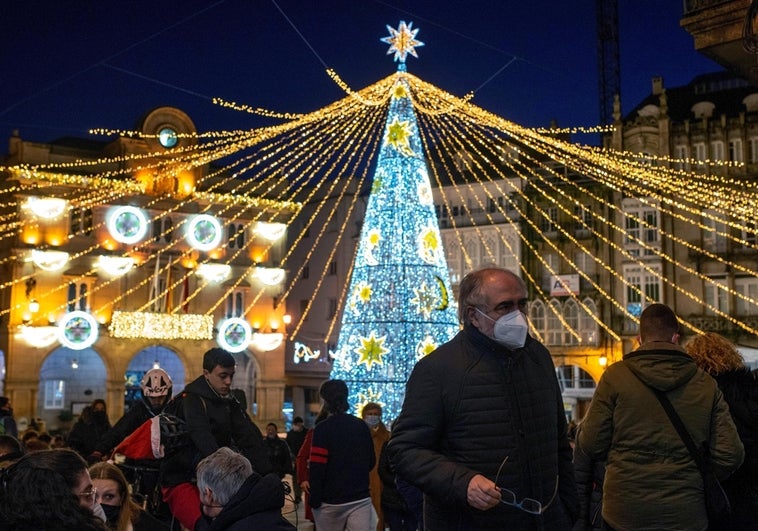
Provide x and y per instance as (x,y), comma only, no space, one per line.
(699,149)
(55,394)
(537,317)
(331,310)
(554,332)
(550,268)
(235,304)
(681,153)
(588,327)
(753,150)
(582,221)
(585,263)
(306,271)
(643,288)
(163,228)
(235,237)
(735,150)
(549,221)
(747,287)
(715,296)
(717,150)
(80,221)
(303,309)
(77,297)
(571,316)
(641,222)
(714,235)
(748,231)
(332,268)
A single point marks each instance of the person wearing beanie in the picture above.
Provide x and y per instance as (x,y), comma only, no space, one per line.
(342,455)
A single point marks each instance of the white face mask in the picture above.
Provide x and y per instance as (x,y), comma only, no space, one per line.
(510,329)
(371,420)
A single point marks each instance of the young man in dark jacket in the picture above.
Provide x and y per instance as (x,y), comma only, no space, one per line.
(482,431)
(236,498)
(214,418)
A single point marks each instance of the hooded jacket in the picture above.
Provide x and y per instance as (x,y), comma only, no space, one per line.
(651,481)
(471,405)
(212,421)
(256,505)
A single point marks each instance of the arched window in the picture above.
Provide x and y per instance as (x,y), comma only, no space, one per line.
(588,327)
(571,316)
(537,317)
(554,332)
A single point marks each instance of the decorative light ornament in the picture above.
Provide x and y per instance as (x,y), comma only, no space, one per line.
(270,276)
(50,260)
(214,272)
(39,336)
(234,334)
(402,41)
(204,232)
(266,342)
(77,330)
(156,364)
(74,364)
(148,325)
(304,353)
(33,306)
(115,266)
(46,207)
(127,224)
(270,231)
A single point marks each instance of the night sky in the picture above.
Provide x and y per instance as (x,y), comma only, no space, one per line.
(105,64)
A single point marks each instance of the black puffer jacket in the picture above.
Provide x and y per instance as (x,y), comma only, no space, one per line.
(256,505)
(212,422)
(470,405)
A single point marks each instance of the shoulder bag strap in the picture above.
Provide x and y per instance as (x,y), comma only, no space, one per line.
(678,425)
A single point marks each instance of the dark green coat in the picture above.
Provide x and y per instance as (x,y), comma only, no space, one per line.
(651,482)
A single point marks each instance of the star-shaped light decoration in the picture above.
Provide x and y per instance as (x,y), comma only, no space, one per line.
(399,91)
(399,136)
(426,299)
(361,294)
(402,41)
(429,245)
(425,347)
(371,350)
(369,396)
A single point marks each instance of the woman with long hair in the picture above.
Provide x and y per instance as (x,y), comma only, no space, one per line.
(48,491)
(113,494)
(719,357)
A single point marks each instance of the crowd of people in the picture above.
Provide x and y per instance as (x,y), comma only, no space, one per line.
(482,442)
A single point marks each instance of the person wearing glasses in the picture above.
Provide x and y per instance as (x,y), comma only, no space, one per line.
(651,480)
(49,490)
(482,431)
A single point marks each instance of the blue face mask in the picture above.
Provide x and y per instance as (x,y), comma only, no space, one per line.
(510,329)
(372,420)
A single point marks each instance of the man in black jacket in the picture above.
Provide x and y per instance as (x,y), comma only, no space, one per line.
(214,418)
(482,431)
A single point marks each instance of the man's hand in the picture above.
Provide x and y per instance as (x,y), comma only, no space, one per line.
(482,493)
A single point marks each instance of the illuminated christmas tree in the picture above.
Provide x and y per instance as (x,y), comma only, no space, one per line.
(399,305)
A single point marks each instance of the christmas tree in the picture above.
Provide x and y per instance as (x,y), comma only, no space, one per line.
(399,305)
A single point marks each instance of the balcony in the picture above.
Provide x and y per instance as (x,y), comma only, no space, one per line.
(716,27)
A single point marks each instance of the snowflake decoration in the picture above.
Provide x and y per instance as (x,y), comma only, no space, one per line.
(399,136)
(371,350)
(426,299)
(402,41)
(423,190)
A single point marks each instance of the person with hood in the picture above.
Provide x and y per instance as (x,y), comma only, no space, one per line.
(651,480)
(7,422)
(156,387)
(234,497)
(718,356)
(482,431)
(92,424)
(213,418)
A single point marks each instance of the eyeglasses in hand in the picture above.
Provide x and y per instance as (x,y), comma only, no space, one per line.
(529,505)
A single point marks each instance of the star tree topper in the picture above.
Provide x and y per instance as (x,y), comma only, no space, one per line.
(402,41)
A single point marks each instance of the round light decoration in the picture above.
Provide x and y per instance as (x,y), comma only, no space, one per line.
(214,272)
(39,336)
(167,137)
(204,232)
(50,260)
(127,224)
(77,330)
(270,276)
(115,266)
(46,207)
(234,334)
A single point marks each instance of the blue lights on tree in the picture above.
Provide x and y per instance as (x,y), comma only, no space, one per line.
(399,306)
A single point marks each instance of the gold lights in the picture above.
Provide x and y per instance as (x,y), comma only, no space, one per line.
(147,325)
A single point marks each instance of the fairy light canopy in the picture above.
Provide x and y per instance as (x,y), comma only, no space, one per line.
(218,201)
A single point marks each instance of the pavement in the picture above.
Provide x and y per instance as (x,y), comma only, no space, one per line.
(296,516)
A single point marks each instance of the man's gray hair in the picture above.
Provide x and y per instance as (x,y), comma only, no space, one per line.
(224,472)
(470,289)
